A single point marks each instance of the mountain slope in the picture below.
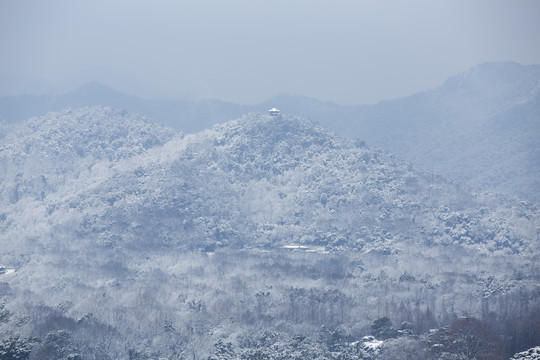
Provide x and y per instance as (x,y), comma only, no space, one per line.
(268,182)
(479,128)
(161,250)
(47,152)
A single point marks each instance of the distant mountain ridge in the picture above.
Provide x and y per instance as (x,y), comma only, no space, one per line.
(181,115)
(480,128)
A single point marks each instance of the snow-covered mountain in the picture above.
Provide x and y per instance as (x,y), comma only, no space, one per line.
(112,179)
(46,152)
(121,239)
(480,128)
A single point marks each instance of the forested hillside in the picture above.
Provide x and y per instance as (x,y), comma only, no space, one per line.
(263,237)
(41,155)
(479,128)
(259,181)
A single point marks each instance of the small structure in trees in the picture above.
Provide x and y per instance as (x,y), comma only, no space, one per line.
(274,112)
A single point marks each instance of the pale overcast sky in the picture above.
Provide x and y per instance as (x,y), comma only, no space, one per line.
(245,51)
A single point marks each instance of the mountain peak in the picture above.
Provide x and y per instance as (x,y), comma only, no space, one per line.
(506,75)
(95,88)
(262,130)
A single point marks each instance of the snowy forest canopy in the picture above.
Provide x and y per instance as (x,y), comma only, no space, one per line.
(259,238)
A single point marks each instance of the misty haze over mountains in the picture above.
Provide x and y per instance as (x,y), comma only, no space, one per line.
(284,180)
(479,128)
(153,229)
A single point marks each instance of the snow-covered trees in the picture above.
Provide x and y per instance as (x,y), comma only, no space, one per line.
(256,181)
(272,227)
(530,354)
(466,338)
(16,348)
